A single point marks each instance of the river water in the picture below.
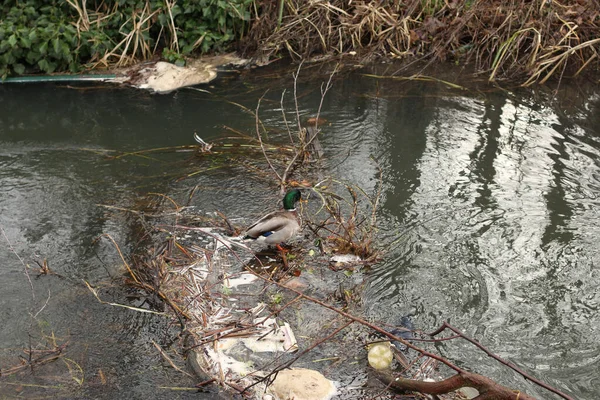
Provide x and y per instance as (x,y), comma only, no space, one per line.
(488,218)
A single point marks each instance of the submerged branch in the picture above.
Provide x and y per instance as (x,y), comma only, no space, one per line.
(361,321)
(45,357)
(525,375)
(488,389)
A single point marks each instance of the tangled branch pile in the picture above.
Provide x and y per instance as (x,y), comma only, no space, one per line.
(504,39)
(241,310)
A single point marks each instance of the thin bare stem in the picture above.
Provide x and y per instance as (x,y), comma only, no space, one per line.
(131,273)
(362,322)
(12,249)
(44,306)
(378,195)
(323,93)
(262,147)
(295,76)
(168,359)
(525,375)
(287,126)
(305,144)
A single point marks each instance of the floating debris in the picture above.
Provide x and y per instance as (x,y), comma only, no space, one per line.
(163,77)
(380,355)
(269,337)
(339,260)
(302,384)
(229,327)
(205,147)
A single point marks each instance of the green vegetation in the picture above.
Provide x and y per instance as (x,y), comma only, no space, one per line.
(530,41)
(54,35)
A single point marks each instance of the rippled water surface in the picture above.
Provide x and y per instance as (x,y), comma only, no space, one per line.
(489,218)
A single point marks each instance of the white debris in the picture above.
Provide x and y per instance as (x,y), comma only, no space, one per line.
(340,259)
(163,77)
(239,279)
(226,363)
(270,338)
(302,384)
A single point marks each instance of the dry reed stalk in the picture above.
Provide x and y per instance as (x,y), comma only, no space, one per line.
(174,45)
(83,23)
(122,52)
(505,39)
(549,66)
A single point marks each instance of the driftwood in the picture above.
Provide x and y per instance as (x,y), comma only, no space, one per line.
(487,388)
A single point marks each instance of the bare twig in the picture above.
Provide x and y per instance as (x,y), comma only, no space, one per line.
(391,336)
(45,357)
(362,322)
(168,359)
(12,249)
(262,147)
(44,306)
(287,126)
(131,273)
(323,93)
(525,375)
(142,310)
(305,144)
(295,76)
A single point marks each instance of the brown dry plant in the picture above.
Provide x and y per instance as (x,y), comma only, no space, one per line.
(530,41)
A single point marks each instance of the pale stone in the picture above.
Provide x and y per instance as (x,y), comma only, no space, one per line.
(468,392)
(302,384)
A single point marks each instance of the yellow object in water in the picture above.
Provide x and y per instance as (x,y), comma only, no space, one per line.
(380,355)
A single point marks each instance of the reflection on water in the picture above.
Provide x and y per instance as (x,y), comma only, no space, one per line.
(55,181)
(491,208)
(489,213)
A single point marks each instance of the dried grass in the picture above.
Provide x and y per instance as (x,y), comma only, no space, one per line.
(530,41)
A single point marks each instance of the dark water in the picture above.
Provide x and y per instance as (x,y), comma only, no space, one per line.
(55,181)
(489,219)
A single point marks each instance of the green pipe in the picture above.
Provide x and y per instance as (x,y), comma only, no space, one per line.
(57,78)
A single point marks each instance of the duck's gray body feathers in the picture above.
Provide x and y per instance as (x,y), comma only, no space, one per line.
(275,228)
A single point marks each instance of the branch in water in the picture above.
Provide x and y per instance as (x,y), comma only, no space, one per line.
(487,388)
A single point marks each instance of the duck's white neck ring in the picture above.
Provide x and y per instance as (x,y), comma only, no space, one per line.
(291,210)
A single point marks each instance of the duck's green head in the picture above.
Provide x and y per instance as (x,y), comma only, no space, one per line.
(291,198)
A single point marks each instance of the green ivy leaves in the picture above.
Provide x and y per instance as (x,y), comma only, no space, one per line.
(47,36)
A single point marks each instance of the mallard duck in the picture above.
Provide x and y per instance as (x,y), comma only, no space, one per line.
(278,226)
